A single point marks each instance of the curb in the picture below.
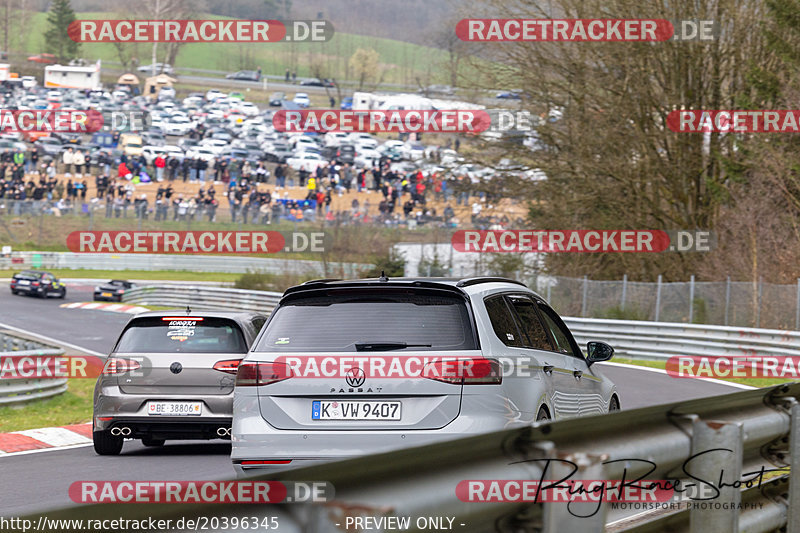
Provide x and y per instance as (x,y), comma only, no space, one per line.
(45,438)
(115,308)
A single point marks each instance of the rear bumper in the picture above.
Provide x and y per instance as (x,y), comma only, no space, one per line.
(253,439)
(113,408)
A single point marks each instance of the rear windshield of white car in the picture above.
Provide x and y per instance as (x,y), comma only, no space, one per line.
(182,335)
(338,322)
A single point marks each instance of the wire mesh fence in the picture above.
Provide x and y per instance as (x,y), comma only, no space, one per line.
(729,303)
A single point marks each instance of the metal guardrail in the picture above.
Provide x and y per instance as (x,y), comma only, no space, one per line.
(661,340)
(14,390)
(750,430)
(202,297)
(186,262)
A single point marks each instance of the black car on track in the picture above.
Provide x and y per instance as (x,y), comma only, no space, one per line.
(37,283)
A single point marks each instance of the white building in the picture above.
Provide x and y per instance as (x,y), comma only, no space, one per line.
(72,77)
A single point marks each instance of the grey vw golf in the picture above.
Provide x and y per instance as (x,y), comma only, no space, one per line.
(171,376)
(345,368)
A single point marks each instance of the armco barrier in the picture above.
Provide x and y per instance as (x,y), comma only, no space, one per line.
(23,390)
(201,297)
(183,262)
(750,430)
(633,339)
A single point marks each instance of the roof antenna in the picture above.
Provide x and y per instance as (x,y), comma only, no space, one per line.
(188,310)
(383,276)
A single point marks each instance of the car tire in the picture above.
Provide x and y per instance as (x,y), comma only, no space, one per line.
(542,415)
(153,443)
(14,293)
(63,294)
(106,444)
(614,405)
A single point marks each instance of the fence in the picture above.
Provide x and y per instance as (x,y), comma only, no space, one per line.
(757,429)
(14,390)
(187,262)
(203,297)
(728,303)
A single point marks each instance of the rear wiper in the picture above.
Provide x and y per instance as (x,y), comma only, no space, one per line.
(391,345)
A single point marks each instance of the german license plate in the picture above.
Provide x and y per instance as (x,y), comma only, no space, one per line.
(175,408)
(23,282)
(335,410)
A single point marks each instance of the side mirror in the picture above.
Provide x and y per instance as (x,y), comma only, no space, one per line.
(599,351)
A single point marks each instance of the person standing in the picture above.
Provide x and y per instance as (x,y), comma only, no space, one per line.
(66,159)
(160,164)
(78,159)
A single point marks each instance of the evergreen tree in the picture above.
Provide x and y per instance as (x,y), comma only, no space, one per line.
(57,40)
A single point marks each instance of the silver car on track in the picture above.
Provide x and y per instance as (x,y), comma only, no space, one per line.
(171,376)
(346,368)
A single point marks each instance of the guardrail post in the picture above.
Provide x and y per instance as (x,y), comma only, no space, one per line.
(728,298)
(797,311)
(585,295)
(658,298)
(793,518)
(760,295)
(577,515)
(691,299)
(624,291)
(725,463)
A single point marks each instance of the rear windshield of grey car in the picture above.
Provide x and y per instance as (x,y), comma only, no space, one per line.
(342,319)
(182,335)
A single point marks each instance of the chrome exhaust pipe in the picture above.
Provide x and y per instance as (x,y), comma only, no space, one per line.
(115,431)
(125,431)
(224,432)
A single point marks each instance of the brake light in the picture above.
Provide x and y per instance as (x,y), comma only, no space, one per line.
(116,365)
(35,283)
(465,371)
(276,462)
(259,374)
(229,366)
(195,318)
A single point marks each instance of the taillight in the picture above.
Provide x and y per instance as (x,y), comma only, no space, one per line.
(229,366)
(35,283)
(258,374)
(116,365)
(275,462)
(465,371)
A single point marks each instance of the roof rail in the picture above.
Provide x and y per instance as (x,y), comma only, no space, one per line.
(321,280)
(466,282)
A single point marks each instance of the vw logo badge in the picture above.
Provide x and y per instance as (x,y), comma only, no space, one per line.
(175,368)
(355,377)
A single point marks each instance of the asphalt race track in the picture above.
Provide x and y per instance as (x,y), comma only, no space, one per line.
(39,481)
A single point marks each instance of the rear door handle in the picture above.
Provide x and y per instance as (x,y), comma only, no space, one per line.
(548,369)
(577,373)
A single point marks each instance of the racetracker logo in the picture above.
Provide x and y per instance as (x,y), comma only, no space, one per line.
(51,121)
(195,242)
(563,491)
(724,367)
(226,492)
(493,30)
(745,121)
(591,241)
(376,121)
(50,367)
(199,31)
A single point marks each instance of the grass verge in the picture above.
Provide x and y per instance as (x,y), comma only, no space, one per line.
(72,407)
